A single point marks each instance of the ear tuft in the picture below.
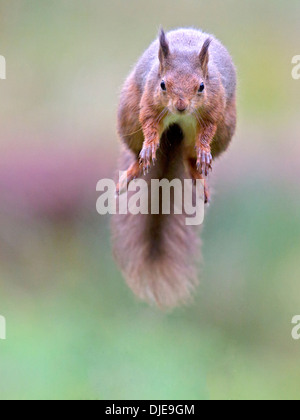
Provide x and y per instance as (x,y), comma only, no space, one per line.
(204,56)
(164,46)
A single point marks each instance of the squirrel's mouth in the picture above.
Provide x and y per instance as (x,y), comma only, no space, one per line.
(180,112)
(175,110)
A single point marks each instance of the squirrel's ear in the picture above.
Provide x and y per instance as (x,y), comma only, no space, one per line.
(204,56)
(164,47)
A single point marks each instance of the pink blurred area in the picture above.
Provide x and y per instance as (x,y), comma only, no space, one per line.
(51,182)
(60,182)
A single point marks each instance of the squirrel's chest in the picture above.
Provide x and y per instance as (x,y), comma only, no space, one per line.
(188,125)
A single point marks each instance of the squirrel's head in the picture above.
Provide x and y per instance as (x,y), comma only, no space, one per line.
(183,77)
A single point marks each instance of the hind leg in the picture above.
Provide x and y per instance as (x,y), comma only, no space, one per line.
(133,172)
(195,174)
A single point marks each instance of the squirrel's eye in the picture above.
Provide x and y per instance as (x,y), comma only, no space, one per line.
(163,86)
(201,88)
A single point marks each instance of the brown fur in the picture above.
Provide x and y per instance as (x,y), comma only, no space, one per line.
(155,251)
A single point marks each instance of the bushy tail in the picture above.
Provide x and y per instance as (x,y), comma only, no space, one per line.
(156,252)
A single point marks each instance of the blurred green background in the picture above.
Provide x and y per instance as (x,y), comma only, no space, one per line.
(74,330)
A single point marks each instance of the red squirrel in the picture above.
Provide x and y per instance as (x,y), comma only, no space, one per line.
(177,113)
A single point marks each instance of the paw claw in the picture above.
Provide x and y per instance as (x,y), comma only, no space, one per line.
(204,162)
(148,155)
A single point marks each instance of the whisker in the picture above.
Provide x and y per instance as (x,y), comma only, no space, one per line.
(161,115)
(199,118)
(131,134)
(158,120)
(196,116)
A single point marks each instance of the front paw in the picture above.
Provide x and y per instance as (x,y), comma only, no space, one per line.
(204,161)
(147,155)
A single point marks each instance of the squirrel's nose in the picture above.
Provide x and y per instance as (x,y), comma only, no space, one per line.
(181,105)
